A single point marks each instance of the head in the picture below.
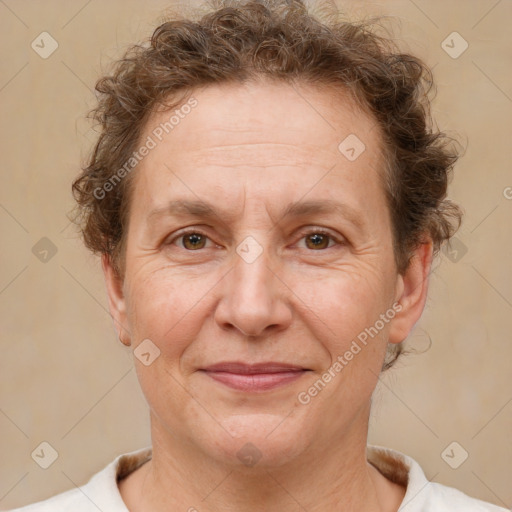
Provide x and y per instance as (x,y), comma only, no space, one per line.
(265,187)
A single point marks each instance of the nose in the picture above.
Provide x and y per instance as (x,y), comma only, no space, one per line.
(254,299)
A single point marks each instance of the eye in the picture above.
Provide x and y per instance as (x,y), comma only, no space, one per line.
(319,239)
(191,240)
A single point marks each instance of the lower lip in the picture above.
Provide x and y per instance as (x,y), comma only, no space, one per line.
(257,381)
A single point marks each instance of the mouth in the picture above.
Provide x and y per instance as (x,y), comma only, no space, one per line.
(254,377)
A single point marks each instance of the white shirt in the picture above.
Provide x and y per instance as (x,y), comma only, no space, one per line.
(102,492)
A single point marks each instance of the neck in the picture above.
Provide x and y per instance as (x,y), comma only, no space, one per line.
(325,478)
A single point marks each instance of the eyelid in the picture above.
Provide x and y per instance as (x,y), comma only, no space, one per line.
(183,232)
(338,240)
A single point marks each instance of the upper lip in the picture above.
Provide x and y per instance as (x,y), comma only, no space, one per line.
(251,369)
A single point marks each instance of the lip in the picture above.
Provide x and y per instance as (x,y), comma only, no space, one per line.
(254,377)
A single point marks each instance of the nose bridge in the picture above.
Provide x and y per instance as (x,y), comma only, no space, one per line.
(251,273)
(253,299)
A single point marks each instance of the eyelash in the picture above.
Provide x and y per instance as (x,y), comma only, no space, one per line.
(303,234)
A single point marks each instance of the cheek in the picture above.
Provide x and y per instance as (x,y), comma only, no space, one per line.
(341,305)
(162,306)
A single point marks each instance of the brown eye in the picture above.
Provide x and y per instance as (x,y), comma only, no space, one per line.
(317,240)
(193,240)
(190,240)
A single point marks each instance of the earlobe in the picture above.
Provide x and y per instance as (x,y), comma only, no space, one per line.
(116,299)
(412,293)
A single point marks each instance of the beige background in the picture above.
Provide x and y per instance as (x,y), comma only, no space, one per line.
(65,378)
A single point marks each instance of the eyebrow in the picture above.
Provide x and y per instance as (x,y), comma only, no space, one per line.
(203,209)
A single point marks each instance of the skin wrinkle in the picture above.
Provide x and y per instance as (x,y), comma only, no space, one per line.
(302,209)
(291,304)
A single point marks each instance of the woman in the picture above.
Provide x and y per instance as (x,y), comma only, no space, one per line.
(267,198)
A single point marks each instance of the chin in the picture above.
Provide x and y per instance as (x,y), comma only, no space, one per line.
(260,440)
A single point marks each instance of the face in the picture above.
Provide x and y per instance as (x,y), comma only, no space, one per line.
(258,256)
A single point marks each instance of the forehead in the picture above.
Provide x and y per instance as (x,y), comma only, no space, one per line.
(269,138)
(300,117)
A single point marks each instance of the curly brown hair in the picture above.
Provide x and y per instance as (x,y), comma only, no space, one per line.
(278,40)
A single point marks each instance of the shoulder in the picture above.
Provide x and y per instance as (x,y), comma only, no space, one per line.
(421,494)
(99,493)
(443,498)
(69,500)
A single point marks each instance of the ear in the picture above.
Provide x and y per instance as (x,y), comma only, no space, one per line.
(116,299)
(412,288)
